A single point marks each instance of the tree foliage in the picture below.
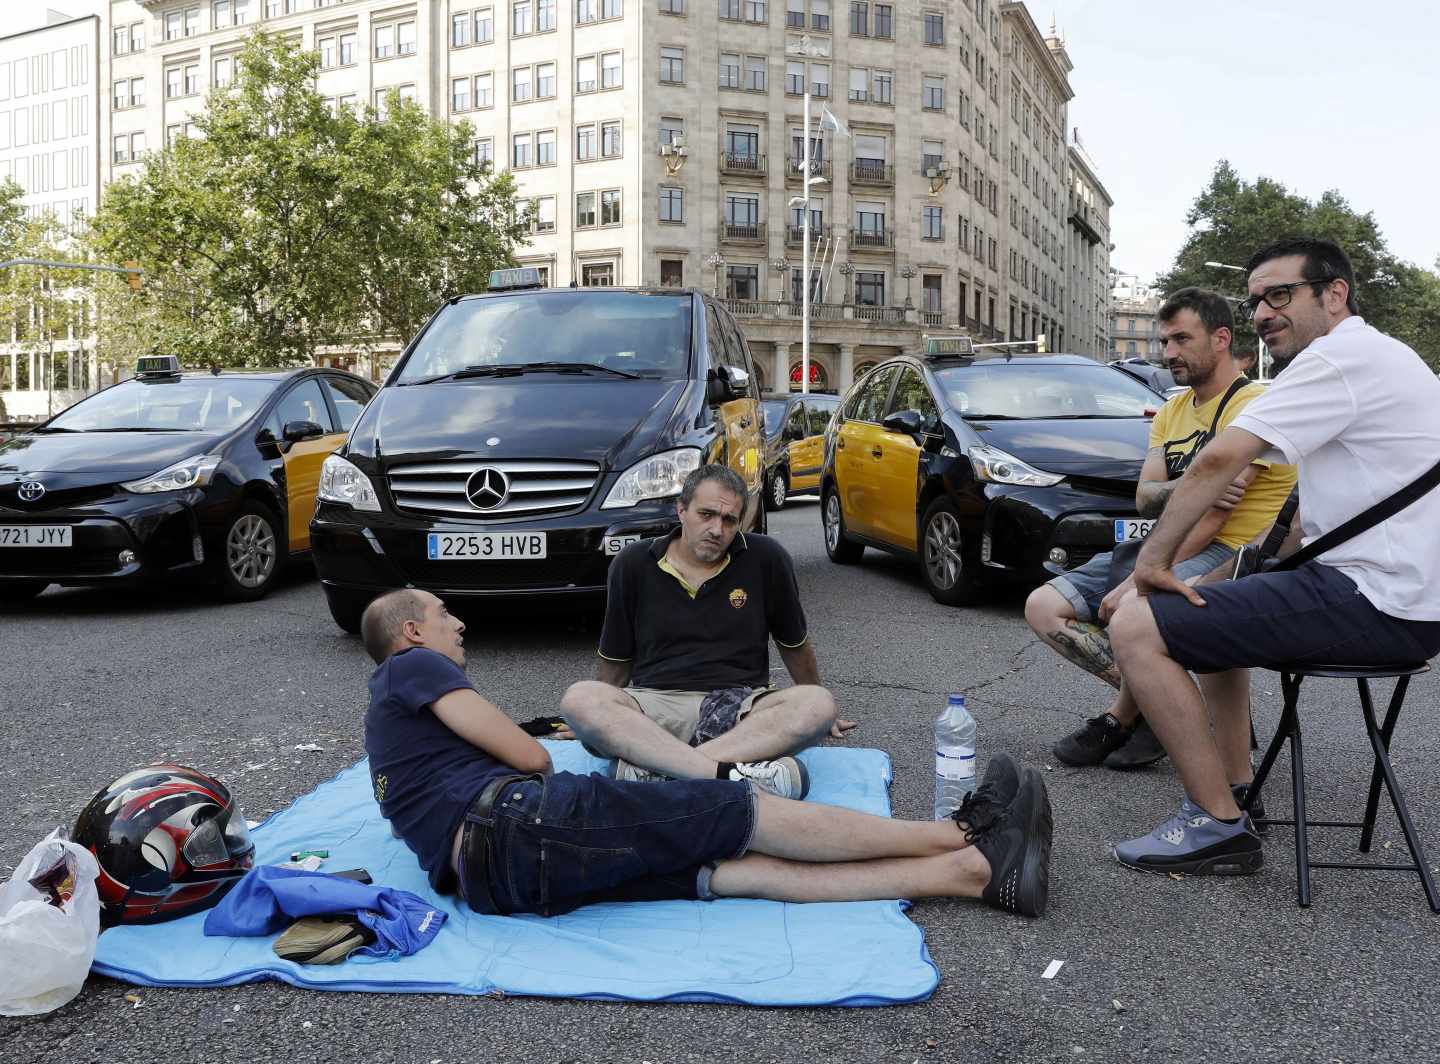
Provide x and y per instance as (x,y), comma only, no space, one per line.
(1232,218)
(286,226)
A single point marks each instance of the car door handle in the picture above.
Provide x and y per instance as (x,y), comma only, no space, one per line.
(876,451)
(840,445)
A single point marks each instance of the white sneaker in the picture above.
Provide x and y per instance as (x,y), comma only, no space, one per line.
(784,777)
(629,773)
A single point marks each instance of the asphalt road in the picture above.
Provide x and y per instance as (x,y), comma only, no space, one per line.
(93,684)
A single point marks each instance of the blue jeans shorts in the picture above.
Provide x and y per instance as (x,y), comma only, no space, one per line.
(1313,615)
(1085,586)
(561,841)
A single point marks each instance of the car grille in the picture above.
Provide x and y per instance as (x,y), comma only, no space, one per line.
(537,488)
(58,499)
(1120,489)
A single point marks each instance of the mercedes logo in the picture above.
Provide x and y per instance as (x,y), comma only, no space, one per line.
(31,491)
(487,488)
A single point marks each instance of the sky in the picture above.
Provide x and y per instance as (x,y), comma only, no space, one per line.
(1315,94)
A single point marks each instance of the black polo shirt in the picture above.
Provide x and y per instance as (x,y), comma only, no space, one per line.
(719,635)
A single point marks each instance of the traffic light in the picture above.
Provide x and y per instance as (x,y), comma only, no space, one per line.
(133,276)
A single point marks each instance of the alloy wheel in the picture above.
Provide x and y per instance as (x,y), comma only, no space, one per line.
(942,550)
(778,490)
(832,521)
(250,551)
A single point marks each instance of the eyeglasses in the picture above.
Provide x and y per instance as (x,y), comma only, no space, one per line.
(1276,297)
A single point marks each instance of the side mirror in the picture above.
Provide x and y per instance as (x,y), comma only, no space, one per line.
(727,383)
(295,431)
(906,422)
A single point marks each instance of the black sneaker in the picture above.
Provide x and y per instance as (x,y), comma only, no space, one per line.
(1142,749)
(1017,845)
(1257,808)
(988,801)
(1093,742)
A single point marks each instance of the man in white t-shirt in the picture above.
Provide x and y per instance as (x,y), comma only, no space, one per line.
(1355,409)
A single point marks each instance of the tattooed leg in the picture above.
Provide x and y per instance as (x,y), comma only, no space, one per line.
(1088,646)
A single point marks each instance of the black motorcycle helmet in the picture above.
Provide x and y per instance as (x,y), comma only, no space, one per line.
(169,840)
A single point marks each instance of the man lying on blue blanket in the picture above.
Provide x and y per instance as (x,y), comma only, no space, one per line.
(477,800)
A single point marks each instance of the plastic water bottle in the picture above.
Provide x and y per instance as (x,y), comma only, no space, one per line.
(954,756)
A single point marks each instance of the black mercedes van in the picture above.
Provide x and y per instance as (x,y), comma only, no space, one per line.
(527,435)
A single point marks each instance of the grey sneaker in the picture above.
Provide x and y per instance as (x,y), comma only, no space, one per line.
(1194,843)
(628,773)
(784,777)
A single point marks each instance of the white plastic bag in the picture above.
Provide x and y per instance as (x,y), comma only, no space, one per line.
(46,951)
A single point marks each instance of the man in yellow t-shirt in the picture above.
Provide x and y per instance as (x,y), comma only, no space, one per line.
(1071,611)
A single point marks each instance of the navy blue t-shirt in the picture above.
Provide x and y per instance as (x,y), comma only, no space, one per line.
(425,776)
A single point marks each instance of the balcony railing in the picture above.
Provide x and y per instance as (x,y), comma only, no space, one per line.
(743,232)
(732,162)
(747,308)
(871,172)
(888,315)
(883,240)
(795,168)
(787,309)
(795,234)
(932,317)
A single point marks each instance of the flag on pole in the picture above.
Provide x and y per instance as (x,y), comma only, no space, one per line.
(829,121)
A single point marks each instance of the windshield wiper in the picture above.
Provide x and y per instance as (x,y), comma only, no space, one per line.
(55,428)
(580,367)
(515,369)
(470,371)
(993,417)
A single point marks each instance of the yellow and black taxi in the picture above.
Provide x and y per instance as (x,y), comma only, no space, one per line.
(527,435)
(172,475)
(794,443)
(986,468)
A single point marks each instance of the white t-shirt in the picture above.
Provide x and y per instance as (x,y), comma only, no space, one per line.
(1359,413)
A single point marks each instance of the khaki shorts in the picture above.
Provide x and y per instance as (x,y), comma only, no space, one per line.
(678,712)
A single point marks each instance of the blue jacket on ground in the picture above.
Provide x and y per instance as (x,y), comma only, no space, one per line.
(268,899)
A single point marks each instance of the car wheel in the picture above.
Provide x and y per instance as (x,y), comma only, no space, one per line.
(250,554)
(21,591)
(841,549)
(777,490)
(347,607)
(949,576)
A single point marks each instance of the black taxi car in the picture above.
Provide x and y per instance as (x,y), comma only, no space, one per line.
(986,468)
(172,475)
(794,442)
(528,434)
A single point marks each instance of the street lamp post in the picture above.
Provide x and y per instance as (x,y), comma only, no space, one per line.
(715,260)
(1263,350)
(810,50)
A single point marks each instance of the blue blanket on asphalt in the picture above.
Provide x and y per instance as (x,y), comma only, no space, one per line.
(732,951)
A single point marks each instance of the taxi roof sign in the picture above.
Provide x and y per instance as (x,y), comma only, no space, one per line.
(157,366)
(948,346)
(509,280)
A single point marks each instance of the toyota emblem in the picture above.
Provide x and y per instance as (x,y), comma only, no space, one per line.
(487,488)
(31,491)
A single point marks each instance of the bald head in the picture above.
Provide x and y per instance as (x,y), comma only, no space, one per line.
(383,622)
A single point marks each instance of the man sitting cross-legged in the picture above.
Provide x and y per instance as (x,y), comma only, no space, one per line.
(683,688)
(477,801)
(1071,612)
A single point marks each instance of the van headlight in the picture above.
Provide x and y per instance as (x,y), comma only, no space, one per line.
(997,467)
(187,473)
(343,482)
(655,477)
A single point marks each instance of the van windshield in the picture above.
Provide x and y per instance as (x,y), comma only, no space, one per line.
(634,333)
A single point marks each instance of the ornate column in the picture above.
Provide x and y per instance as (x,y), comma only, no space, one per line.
(846,374)
(782,367)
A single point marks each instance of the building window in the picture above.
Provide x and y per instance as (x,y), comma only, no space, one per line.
(586,11)
(122,96)
(672,132)
(192,21)
(742,282)
(931,295)
(347,48)
(870,223)
(459,94)
(885,20)
(611,9)
(859,84)
(597,274)
(326,48)
(610,207)
(484,90)
(860,18)
(121,43)
(932,93)
(672,204)
(520,18)
(754,10)
(610,140)
(730,10)
(585,74)
(795,14)
(742,217)
(932,156)
(795,78)
(224,71)
(172,26)
(672,66)
(934,29)
(545,148)
(870,289)
(122,150)
(544,15)
(385,41)
(672,7)
(545,214)
(460,30)
(192,79)
(931,225)
(485,152)
(520,84)
(819,79)
(883,87)
(219,13)
(545,81)
(755,67)
(820,15)
(173,135)
(520,156)
(672,273)
(729,70)
(405,38)
(585,210)
(610,70)
(484,26)
(742,146)
(585,143)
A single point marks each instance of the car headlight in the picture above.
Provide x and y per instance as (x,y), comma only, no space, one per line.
(997,467)
(187,473)
(653,478)
(343,482)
